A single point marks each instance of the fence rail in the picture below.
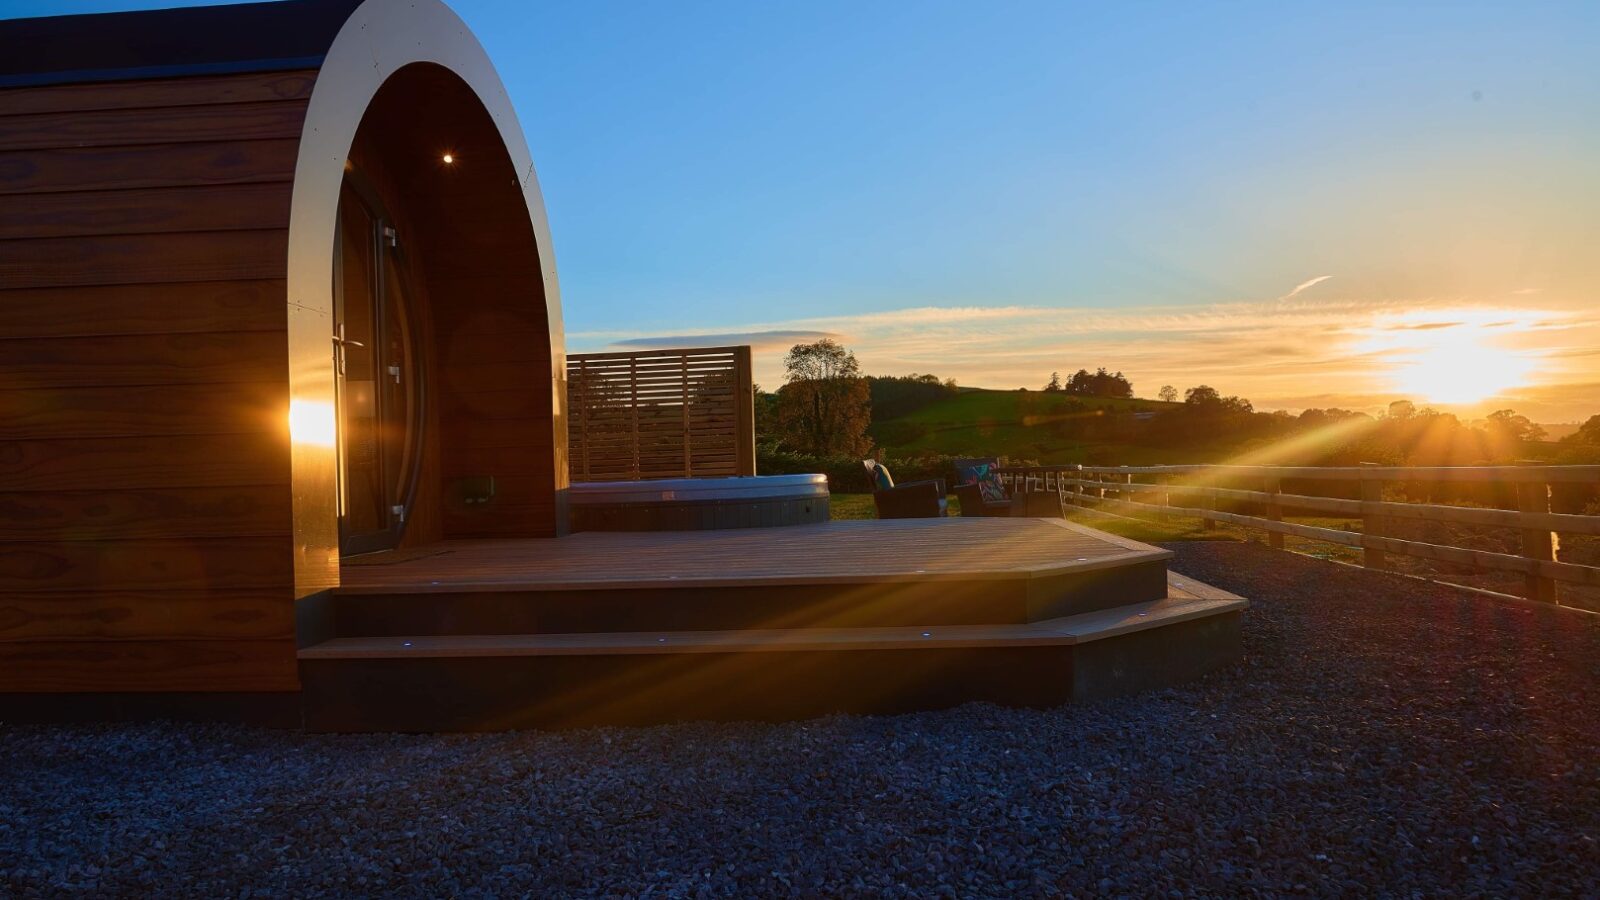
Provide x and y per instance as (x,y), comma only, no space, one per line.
(1201,491)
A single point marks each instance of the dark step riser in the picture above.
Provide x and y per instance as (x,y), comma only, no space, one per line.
(926,603)
(499,693)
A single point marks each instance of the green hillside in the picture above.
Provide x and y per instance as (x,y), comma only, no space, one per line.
(1051,428)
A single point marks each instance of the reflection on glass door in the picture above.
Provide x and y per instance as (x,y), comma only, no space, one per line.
(379,402)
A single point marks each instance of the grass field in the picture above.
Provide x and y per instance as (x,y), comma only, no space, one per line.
(1027,425)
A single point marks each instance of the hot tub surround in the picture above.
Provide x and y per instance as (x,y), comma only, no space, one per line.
(699,504)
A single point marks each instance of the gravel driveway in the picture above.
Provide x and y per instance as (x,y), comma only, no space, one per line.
(1382,737)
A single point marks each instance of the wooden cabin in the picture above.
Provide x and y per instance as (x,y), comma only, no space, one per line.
(276,288)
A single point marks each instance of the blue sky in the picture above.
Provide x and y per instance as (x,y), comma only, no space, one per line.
(993,191)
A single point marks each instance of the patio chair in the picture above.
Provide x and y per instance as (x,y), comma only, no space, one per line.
(912,500)
(980,490)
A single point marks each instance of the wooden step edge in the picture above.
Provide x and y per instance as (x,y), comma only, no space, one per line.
(1068,630)
(1025,572)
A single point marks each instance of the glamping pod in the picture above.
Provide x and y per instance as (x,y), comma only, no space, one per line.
(276,289)
(283,431)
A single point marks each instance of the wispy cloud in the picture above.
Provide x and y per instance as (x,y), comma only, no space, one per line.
(1306,286)
(758,340)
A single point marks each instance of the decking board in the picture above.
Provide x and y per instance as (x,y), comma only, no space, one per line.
(841,552)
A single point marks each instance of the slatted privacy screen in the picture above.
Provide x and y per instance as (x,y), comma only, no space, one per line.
(661,414)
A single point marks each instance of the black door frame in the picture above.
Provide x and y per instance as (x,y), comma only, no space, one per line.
(388,256)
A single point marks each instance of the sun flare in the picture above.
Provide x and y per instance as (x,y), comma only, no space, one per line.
(1460,372)
(1453,358)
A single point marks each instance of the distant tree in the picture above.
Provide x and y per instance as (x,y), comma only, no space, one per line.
(1317,418)
(1205,399)
(1509,425)
(1055,382)
(1100,384)
(1402,410)
(826,405)
(901,395)
(1587,433)
(766,405)
(1168,394)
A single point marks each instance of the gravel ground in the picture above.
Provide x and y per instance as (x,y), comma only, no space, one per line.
(1382,737)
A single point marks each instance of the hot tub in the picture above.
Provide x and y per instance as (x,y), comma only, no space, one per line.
(698,504)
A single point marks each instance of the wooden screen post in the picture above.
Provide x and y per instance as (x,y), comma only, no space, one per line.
(1537,544)
(1275,512)
(1371,522)
(744,440)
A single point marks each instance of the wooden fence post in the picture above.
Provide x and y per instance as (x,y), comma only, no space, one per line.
(1539,545)
(1275,512)
(1371,523)
(1208,501)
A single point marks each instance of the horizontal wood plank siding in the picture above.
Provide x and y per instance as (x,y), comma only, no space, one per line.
(144,258)
(161,125)
(134,615)
(137,360)
(201,91)
(136,463)
(147,410)
(145,525)
(134,666)
(234,207)
(158,166)
(109,515)
(143,564)
(145,309)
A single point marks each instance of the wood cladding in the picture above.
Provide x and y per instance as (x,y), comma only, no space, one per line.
(144,309)
(147,210)
(195,91)
(159,166)
(145,531)
(660,414)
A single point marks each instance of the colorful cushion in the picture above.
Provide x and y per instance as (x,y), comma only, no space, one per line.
(881,477)
(991,490)
(972,474)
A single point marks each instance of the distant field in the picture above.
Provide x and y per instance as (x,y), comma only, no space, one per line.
(1026,425)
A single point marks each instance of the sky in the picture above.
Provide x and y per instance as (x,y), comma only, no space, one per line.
(1302,204)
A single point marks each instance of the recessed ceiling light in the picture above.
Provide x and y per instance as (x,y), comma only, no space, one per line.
(449,158)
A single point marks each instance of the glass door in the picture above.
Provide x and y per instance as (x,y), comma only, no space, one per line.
(377,386)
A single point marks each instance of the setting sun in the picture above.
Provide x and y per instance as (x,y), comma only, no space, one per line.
(1459,356)
(1460,371)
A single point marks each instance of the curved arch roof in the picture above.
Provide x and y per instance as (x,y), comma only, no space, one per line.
(163,43)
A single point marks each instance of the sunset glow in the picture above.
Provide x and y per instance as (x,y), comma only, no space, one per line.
(1462,371)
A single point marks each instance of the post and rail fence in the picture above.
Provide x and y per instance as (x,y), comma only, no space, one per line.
(1202,491)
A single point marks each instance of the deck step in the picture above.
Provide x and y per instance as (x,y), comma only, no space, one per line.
(1076,629)
(472,682)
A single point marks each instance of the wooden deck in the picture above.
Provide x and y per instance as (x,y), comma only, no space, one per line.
(841,552)
(868,616)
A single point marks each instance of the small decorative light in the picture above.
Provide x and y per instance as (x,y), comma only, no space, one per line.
(927,634)
(407,644)
(449,158)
